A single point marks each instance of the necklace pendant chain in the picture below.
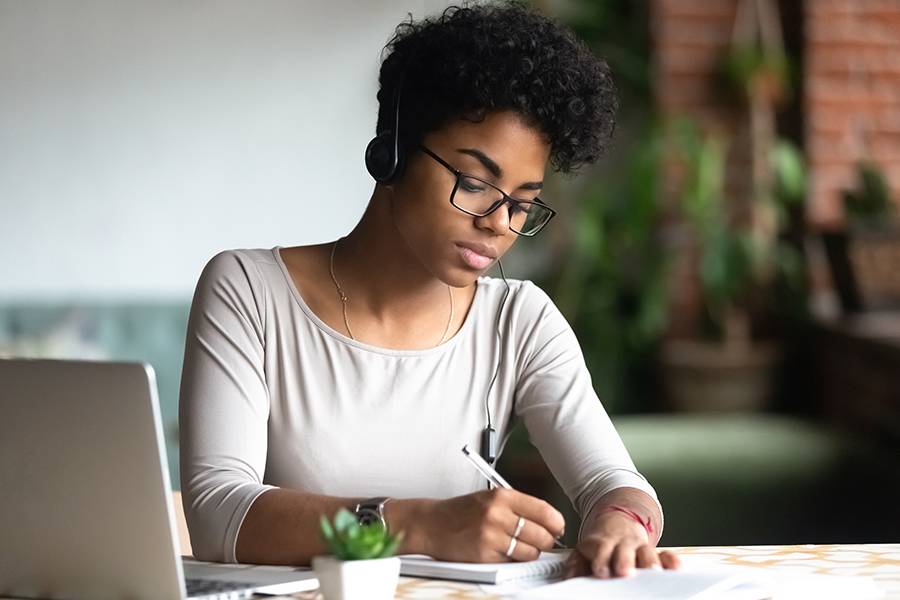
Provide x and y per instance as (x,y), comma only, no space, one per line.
(345,300)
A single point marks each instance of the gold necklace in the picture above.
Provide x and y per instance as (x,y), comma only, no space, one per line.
(345,300)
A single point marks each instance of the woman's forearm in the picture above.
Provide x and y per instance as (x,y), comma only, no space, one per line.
(282,526)
(633,499)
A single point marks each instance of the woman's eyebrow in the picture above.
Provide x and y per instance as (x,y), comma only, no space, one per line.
(495,169)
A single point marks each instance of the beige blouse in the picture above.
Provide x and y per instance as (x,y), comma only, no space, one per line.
(271,396)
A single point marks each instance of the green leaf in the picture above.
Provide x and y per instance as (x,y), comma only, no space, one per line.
(790,175)
(344,520)
(390,548)
(326,529)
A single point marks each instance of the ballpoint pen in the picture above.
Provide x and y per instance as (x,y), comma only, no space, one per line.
(494,477)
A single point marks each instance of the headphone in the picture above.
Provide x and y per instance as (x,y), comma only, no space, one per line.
(385,158)
(385,161)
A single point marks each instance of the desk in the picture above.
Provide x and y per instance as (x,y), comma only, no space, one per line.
(880,561)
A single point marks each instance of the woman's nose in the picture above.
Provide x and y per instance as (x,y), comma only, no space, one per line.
(497,221)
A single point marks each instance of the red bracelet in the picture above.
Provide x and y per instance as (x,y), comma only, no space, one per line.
(646,524)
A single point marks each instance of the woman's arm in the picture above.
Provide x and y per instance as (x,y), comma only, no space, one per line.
(576,438)
(282,526)
(224,404)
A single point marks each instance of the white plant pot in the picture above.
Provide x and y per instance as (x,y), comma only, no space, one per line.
(374,579)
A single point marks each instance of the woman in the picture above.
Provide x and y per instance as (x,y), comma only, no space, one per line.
(350,374)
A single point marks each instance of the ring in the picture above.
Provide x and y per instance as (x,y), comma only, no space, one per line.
(512,547)
(519,526)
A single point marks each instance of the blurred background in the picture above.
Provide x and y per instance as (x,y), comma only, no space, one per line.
(732,269)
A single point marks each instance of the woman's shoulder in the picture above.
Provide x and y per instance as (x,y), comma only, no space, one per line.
(521,289)
(526,302)
(251,265)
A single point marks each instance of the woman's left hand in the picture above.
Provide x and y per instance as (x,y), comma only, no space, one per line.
(614,546)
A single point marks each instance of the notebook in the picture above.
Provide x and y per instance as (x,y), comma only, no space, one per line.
(548,567)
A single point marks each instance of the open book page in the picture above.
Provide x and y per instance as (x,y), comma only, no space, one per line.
(548,566)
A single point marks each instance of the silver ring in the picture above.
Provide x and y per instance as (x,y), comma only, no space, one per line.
(519,526)
(512,547)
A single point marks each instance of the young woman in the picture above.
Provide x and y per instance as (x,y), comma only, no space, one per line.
(350,374)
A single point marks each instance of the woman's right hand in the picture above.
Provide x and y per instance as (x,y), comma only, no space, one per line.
(478,527)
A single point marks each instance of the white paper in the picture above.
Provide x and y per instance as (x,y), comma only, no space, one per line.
(652,583)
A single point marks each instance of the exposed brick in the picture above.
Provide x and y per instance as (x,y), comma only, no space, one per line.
(831,7)
(884,146)
(693,32)
(832,147)
(836,119)
(829,88)
(685,90)
(688,58)
(852,59)
(887,120)
(697,8)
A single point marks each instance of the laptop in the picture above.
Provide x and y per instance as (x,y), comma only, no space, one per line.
(85,499)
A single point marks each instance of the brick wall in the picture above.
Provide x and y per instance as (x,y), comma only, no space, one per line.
(852,100)
(851,87)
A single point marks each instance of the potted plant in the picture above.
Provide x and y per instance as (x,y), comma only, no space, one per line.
(362,565)
(722,366)
(874,238)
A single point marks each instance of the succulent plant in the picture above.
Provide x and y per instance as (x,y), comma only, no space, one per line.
(348,540)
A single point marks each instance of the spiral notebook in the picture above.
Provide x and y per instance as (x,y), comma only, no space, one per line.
(548,567)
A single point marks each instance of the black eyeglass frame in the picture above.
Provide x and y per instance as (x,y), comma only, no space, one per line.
(505,199)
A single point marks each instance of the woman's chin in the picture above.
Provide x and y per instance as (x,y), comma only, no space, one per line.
(460,277)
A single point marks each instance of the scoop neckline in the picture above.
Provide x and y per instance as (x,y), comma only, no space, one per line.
(326,328)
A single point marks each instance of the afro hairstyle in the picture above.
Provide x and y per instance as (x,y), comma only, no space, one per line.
(475,59)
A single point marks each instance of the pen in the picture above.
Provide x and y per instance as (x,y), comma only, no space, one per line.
(494,477)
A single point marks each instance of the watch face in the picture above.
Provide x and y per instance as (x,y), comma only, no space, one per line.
(367,516)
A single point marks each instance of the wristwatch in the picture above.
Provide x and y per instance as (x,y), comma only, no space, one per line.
(370,511)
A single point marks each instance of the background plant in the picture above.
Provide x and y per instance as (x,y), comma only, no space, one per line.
(736,261)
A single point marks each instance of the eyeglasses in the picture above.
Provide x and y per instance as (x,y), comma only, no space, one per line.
(480,198)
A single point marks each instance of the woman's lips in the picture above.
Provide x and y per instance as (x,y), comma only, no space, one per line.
(473,259)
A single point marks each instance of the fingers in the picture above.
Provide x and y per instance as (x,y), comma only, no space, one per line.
(619,560)
(522,551)
(531,533)
(647,557)
(576,566)
(669,560)
(501,511)
(623,558)
(601,559)
(535,510)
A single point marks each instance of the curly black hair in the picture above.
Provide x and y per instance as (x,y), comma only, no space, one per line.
(475,59)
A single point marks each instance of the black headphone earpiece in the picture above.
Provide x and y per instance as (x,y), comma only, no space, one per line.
(385,159)
(382,160)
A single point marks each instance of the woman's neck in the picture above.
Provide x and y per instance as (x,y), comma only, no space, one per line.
(380,274)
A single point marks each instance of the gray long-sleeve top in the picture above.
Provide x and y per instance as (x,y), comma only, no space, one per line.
(271,396)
